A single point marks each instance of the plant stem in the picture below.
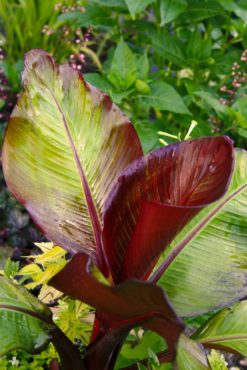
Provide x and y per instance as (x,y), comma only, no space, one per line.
(68,353)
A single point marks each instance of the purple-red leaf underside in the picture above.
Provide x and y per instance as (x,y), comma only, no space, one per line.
(123,306)
(156,196)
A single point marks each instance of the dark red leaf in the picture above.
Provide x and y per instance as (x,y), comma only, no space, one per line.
(156,196)
(122,306)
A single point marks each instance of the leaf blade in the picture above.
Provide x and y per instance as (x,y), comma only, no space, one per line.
(137,6)
(170,9)
(76,144)
(164,97)
(158,195)
(226,328)
(121,306)
(23,319)
(190,355)
(223,238)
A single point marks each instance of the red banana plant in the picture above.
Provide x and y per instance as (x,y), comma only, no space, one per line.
(74,160)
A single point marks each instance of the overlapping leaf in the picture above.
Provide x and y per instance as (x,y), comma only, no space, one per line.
(190,355)
(64,147)
(24,321)
(227,329)
(123,306)
(211,270)
(156,196)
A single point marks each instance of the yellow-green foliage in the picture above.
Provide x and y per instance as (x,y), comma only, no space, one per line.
(74,319)
(217,361)
(44,267)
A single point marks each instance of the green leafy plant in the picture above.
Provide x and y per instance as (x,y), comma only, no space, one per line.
(75,161)
(173,58)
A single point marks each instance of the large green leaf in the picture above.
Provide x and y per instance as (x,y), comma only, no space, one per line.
(24,321)
(227,328)
(211,270)
(64,147)
(164,97)
(190,355)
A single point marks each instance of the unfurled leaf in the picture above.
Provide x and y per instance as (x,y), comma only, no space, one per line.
(190,355)
(76,145)
(137,6)
(170,9)
(226,330)
(156,196)
(24,321)
(123,68)
(213,247)
(164,97)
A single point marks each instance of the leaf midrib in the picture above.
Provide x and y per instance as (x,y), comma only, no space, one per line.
(192,235)
(28,312)
(97,230)
(234,337)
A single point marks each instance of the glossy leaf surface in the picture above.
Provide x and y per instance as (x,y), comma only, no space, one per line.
(190,355)
(156,196)
(64,147)
(24,321)
(227,328)
(211,270)
(124,306)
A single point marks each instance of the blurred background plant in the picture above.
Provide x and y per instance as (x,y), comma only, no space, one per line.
(177,68)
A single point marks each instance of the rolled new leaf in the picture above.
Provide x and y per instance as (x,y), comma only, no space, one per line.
(65,145)
(206,265)
(156,196)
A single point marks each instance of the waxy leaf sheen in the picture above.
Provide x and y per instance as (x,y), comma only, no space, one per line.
(75,162)
(65,146)
(156,196)
(129,304)
(206,266)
